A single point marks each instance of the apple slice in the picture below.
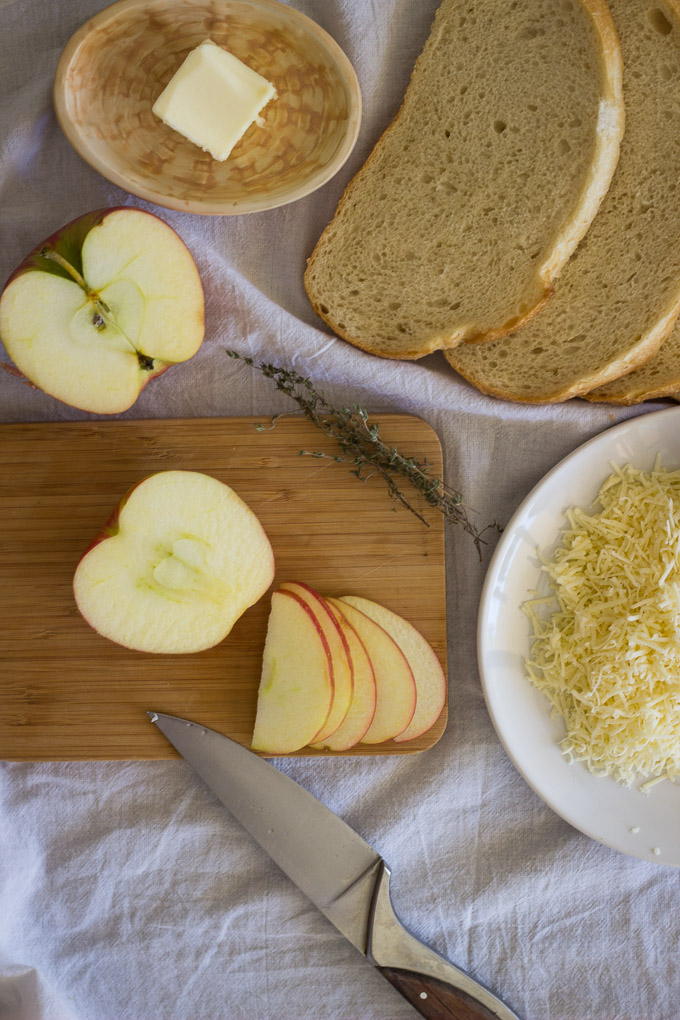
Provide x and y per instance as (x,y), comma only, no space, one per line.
(425,666)
(179,562)
(395,686)
(101,307)
(340,654)
(296,689)
(362,706)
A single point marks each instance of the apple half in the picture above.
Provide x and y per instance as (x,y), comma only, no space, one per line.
(362,706)
(296,688)
(427,671)
(395,687)
(179,562)
(101,307)
(341,659)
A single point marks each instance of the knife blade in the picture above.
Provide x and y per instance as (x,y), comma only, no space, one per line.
(334,867)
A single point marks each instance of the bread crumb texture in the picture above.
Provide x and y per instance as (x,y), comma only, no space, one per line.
(480,189)
(618,297)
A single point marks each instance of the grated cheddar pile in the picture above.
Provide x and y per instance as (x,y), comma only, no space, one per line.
(606,645)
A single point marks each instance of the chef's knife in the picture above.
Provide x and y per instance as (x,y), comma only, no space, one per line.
(340,873)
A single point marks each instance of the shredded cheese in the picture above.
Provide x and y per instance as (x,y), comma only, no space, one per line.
(606,645)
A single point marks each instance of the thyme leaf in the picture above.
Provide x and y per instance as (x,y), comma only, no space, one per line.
(363,449)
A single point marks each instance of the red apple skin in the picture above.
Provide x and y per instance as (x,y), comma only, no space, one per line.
(13,370)
(290,586)
(111,527)
(315,594)
(326,649)
(343,607)
(324,605)
(161,370)
(64,241)
(68,242)
(367,722)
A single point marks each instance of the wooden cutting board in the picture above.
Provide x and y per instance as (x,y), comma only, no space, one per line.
(67,693)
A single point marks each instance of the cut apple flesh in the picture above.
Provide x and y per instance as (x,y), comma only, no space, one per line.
(92,324)
(427,671)
(339,650)
(395,686)
(296,689)
(179,564)
(143,270)
(59,349)
(362,706)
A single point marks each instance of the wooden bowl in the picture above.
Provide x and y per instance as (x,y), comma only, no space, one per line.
(117,64)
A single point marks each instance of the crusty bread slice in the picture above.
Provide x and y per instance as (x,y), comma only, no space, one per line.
(658,377)
(480,189)
(618,297)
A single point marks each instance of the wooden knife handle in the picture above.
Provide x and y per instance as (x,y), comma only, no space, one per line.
(435,1000)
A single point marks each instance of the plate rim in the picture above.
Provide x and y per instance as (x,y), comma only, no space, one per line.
(198,206)
(504,545)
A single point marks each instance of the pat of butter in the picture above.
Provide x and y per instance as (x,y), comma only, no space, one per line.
(213,98)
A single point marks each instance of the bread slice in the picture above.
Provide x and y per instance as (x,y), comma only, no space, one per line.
(618,297)
(480,189)
(658,377)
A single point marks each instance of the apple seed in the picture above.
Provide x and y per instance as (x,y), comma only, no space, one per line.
(145,362)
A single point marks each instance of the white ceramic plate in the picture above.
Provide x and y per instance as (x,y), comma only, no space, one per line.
(599,807)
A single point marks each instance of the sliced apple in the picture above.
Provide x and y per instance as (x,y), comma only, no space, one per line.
(340,654)
(425,666)
(362,706)
(395,687)
(179,562)
(296,689)
(101,307)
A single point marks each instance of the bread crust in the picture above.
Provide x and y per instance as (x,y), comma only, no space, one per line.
(626,390)
(634,358)
(611,124)
(630,399)
(437,343)
(590,386)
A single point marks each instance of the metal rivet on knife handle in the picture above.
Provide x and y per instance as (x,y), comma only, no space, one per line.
(438,989)
(433,999)
(328,861)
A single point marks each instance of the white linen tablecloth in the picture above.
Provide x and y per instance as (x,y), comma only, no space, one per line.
(126,892)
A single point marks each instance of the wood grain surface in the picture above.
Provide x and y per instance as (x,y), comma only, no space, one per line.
(67,693)
(436,1000)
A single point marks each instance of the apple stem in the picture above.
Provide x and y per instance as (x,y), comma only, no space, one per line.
(54,256)
(101,306)
(103,315)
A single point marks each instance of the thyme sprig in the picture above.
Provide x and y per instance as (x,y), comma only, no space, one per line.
(362,446)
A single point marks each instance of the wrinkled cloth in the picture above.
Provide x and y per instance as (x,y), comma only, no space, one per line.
(126,891)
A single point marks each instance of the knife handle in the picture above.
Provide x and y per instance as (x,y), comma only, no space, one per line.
(434,999)
(432,984)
